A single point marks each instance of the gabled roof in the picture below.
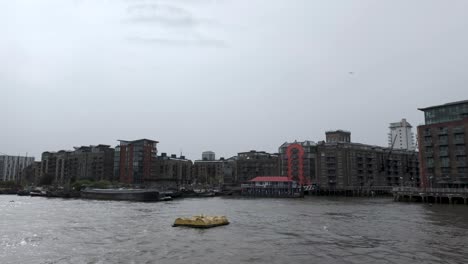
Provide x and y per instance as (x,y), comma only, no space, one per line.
(270,179)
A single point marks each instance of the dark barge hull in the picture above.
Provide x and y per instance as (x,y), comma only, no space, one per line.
(121,195)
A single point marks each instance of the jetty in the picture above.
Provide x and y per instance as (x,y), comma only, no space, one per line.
(431,195)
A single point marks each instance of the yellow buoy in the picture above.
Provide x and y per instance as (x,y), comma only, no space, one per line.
(201,221)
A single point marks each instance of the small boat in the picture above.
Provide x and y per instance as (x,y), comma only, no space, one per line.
(201,221)
(165,198)
(38,193)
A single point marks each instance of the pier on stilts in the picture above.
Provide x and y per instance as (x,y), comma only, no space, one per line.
(357,191)
(431,195)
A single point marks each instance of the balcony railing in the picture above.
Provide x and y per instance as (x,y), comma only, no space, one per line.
(443,131)
(443,153)
(460,152)
(428,143)
(458,130)
(461,163)
(443,141)
(459,141)
(429,154)
(431,190)
(445,164)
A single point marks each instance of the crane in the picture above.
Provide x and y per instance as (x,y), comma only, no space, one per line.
(386,161)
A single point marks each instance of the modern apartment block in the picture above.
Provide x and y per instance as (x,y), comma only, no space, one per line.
(12,167)
(256,163)
(92,162)
(135,160)
(401,135)
(343,165)
(86,162)
(170,172)
(298,161)
(55,165)
(443,145)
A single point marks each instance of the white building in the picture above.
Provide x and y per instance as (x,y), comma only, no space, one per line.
(401,136)
(12,167)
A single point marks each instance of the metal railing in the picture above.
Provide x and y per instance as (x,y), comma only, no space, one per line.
(431,190)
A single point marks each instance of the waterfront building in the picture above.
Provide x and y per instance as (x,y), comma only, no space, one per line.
(298,161)
(170,172)
(31,174)
(85,162)
(343,165)
(12,167)
(92,163)
(442,145)
(135,160)
(256,163)
(215,172)
(401,135)
(55,166)
(208,155)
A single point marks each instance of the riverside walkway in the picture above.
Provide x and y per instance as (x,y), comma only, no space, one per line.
(431,195)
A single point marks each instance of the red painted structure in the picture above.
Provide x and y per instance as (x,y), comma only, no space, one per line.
(136,159)
(271,179)
(295,154)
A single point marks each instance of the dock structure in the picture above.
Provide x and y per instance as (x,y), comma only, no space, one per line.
(349,191)
(431,195)
(272,186)
(272,192)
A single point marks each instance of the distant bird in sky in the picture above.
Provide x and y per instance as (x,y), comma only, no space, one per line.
(351,72)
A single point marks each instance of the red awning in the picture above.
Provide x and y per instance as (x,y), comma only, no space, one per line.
(270,179)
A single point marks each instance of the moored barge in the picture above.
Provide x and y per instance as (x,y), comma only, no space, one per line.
(138,195)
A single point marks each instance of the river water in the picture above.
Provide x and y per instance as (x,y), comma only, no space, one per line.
(312,230)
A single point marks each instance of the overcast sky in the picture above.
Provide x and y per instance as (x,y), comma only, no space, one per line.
(223,75)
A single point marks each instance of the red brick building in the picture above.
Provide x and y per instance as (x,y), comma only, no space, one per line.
(134,160)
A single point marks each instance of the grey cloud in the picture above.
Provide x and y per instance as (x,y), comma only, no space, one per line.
(167,15)
(198,41)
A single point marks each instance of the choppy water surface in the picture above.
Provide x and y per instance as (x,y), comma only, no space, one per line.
(314,229)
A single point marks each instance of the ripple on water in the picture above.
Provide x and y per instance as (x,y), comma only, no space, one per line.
(261,231)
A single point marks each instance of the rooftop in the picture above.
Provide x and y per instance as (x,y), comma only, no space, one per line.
(271,179)
(444,105)
(338,131)
(138,140)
